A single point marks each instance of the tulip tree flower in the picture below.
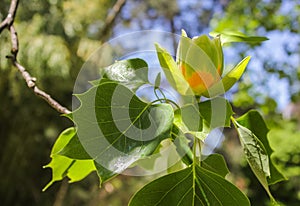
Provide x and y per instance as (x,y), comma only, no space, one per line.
(199,67)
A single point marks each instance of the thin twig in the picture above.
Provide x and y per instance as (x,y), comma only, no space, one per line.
(9,20)
(14,40)
(111,18)
(8,23)
(31,84)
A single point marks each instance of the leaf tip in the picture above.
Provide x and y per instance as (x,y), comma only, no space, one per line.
(183,33)
(48,185)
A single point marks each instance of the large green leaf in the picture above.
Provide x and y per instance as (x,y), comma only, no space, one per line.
(116,128)
(63,166)
(253,135)
(172,71)
(228,80)
(193,186)
(235,36)
(130,72)
(255,123)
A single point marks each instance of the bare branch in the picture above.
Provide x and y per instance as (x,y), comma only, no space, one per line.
(54,104)
(111,17)
(8,23)
(9,20)
(31,84)
(14,41)
(26,76)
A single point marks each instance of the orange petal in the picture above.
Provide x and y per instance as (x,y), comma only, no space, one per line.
(201,81)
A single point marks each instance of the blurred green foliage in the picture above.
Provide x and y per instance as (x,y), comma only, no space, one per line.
(56,37)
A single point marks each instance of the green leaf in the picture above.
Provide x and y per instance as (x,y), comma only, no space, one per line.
(157,80)
(99,81)
(228,80)
(252,131)
(74,149)
(62,166)
(256,156)
(235,36)
(215,113)
(199,119)
(216,164)
(116,128)
(188,122)
(172,72)
(193,186)
(255,123)
(63,140)
(188,117)
(132,73)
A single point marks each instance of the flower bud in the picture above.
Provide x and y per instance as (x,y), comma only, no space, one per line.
(201,62)
(199,67)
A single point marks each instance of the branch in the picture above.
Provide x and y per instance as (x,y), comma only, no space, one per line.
(111,17)
(8,23)
(31,84)
(9,20)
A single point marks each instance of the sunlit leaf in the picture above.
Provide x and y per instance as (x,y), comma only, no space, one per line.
(193,186)
(131,72)
(63,166)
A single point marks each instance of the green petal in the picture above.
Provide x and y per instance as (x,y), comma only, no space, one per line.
(228,80)
(172,72)
(198,55)
(212,48)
